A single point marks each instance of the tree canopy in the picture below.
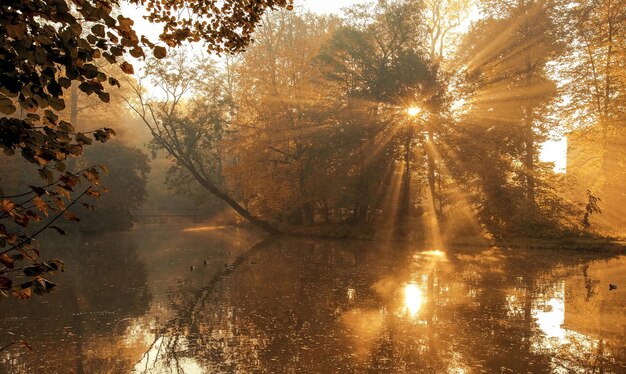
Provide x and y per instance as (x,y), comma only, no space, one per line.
(51,47)
(46,45)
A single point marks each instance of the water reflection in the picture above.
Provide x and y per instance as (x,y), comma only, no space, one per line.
(203,228)
(412,299)
(299,305)
(81,327)
(351,293)
(294,305)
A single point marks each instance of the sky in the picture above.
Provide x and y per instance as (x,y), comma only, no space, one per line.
(326,6)
(317,6)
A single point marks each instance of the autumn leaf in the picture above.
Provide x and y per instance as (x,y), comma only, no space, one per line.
(38,190)
(7,261)
(21,220)
(64,192)
(127,68)
(7,205)
(98,30)
(57,103)
(6,106)
(42,285)
(103,167)
(126,24)
(159,52)
(71,217)
(32,215)
(92,176)
(93,193)
(59,203)
(69,179)
(23,294)
(82,138)
(137,52)
(32,271)
(5,283)
(104,96)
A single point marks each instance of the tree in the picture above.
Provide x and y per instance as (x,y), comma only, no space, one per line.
(380,60)
(441,18)
(509,91)
(593,89)
(282,108)
(190,132)
(49,46)
(593,63)
(44,49)
(125,179)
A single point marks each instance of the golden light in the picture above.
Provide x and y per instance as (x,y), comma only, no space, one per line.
(434,253)
(351,293)
(412,299)
(204,228)
(413,111)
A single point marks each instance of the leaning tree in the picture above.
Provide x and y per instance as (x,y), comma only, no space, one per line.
(46,46)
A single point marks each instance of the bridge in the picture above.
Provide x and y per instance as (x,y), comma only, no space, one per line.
(172,215)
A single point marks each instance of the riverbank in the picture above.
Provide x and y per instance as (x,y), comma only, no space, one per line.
(570,241)
(557,240)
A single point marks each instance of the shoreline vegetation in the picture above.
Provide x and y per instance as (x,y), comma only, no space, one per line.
(583,242)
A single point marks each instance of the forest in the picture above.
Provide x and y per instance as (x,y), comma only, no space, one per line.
(418,121)
(394,121)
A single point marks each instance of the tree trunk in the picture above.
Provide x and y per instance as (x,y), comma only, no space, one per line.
(361,205)
(529,157)
(431,170)
(529,165)
(266,226)
(405,209)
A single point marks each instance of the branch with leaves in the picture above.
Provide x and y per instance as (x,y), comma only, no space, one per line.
(20,245)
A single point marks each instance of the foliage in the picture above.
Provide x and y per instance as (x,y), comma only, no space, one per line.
(306,127)
(593,86)
(126,180)
(309,125)
(190,137)
(508,93)
(593,206)
(50,47)
(45,48)
(49,202)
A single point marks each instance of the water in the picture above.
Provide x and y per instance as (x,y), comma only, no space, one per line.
(131,302)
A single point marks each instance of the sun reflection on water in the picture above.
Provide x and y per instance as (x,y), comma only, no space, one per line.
(413,299)
(435,253)
(351,293)
(204,228)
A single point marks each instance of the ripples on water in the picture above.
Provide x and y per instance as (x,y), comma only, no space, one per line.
(133,303)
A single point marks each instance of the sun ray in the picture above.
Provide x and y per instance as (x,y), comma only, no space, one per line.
(391,202)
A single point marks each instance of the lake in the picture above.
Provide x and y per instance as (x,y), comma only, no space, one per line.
(172,299)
